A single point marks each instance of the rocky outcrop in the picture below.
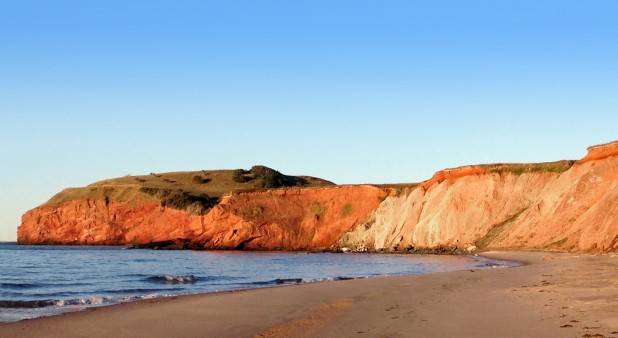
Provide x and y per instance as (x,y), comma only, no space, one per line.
(290,219)
(567,205)
(600,152)
(452,175)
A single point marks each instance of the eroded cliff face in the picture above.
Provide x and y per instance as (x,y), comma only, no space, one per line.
(289,219)
(469,207)
(455,212)
(577,212)
(552,206)
(95,222)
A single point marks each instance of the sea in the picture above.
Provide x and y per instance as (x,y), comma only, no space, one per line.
(38,281)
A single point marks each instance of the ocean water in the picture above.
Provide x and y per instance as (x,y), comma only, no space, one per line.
(40,281)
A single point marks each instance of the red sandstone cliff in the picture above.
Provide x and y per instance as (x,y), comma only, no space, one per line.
(600,152)
(549,206)
(291,218)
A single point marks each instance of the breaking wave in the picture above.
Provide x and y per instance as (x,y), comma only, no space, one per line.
(88,301)
(169,279)
(291,281)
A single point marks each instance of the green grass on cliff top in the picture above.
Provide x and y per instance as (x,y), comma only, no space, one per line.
(521,168)
(181,189)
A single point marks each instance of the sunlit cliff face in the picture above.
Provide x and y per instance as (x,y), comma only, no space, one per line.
(574,208)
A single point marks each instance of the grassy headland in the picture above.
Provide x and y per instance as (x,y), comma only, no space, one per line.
(193,191)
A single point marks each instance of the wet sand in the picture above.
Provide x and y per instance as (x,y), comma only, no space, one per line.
(553,295)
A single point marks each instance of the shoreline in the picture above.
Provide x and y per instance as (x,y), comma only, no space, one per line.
(568,295)
(172,245)
(46,307)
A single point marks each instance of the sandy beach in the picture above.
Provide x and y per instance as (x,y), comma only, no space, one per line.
(552,295)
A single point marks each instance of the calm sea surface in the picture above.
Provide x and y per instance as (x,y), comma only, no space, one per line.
(46,280)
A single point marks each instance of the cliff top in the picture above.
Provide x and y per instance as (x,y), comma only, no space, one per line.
(181,190)
(601,151)
(497,168)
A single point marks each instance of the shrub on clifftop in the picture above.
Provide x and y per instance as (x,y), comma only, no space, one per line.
(273,179)
(200,180)
(182,200)
(238,176)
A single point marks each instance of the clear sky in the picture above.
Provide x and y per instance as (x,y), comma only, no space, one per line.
(351,91)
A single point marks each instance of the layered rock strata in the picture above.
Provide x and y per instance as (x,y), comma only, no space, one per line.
(471,207)
(290,219)
(570,206)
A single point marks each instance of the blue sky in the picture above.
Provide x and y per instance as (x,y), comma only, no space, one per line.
(351,91)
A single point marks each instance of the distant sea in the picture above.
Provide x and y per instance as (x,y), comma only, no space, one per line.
(40,281)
